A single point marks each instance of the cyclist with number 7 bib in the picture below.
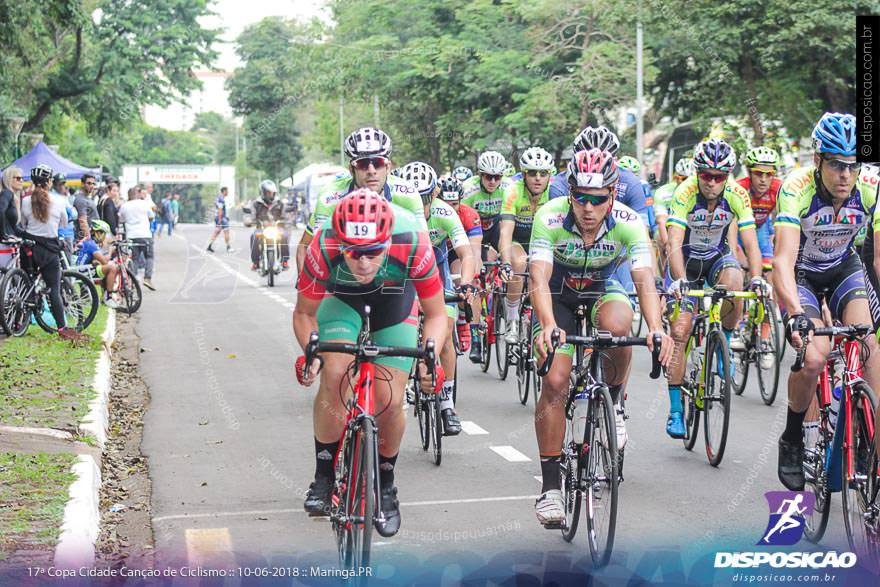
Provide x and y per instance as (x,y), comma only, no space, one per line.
(372,253)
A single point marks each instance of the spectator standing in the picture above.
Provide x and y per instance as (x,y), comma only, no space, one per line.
(59,193)
(175,208)
(108,206)
(10,201)
(41,215)
(148,194)
(166,215)
(221,221)
(86,208)
(135,216)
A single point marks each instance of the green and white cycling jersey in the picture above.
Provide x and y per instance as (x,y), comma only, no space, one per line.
(663,198)
(396,190)
(444,223)
(556,239)
(517,206)
(827,237)
(488,206)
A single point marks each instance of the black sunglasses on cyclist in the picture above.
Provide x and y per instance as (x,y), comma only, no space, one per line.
(840,165)
(594,199)
(537,173)
(364,163)
(490,177)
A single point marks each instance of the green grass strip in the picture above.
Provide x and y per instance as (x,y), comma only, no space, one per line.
(33,493)
(47,382)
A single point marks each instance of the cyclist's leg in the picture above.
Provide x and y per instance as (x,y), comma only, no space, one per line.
(849,303)
(726,271)
(765,243)
(613,312)
(451,423)
(519,261)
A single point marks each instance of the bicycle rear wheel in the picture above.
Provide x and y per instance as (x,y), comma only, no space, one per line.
(422,409)
(130,288)
(485,334)
(602,476)
(769,348)
(816,476)
(80,297)
(859,490)
(716,399)
(570,478)
(354,525)
(741,361)
(691,414)
(15,312)
(523,358)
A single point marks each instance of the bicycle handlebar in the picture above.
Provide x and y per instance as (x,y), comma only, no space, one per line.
(369,350)
(555,337)
(604,340)
(849,332)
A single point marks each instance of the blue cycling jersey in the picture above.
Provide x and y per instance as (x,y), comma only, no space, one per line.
(628,191)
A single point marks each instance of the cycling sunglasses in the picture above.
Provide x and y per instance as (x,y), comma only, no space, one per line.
(364,163)
(371,252)
(490,177)
(840,165)
(537,173)
(713,177)
(763,173)
(594,199)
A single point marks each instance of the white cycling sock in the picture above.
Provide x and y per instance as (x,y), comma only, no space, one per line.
(447,391)
(512,309)
(811,434)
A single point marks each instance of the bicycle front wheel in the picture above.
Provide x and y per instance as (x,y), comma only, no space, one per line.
(130,288)
(355,525)
(485,334)
(816,476)
(716,399)
(602,476)
(741,360)
(523,359)
(570,479)
(859,471)
(502,350)
(15,312)
(768,347)
(436,430)
(81,300)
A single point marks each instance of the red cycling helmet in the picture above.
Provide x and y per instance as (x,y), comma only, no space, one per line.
(363,218)
(592,168)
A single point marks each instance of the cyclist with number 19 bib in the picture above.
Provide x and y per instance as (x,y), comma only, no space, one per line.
(374,253)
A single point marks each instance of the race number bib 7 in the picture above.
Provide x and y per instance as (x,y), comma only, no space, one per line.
(360,229)
(589,180)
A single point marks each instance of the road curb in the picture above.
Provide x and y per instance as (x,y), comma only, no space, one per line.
(82,515)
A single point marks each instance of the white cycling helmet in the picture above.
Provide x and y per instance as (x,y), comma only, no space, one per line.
(598,137)
(422,176)
(536,158)
(685,167)
(368,142)
(492,162)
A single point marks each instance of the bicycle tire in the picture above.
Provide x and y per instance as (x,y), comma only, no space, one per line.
(569,482)
(455,383)
(270,261)
(502,349)
(360,503)
(768,383)
(436,430)
(816,477)
(856,493)
(637,323)
(15,312)
(424,419)
(485,348)
(82,291)
(716,345)
(741,362)
(691,413)
(601,434)
(132,294)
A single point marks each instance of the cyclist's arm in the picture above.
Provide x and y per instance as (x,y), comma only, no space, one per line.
(100,258)
(649,301)
(674,256)
(784,257)
(305,319)
(468,263)
(434,325)
(753,251)
(476,252)
(505,239)
(301,250)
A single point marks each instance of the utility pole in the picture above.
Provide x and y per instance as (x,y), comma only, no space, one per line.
(341,130)
(640,107)
(376,110)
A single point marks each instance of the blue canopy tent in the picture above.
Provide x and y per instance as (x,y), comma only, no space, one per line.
(43,154)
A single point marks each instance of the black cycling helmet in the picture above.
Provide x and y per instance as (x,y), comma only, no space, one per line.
(41,174)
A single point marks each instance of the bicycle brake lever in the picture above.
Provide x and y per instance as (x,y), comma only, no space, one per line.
(655,357)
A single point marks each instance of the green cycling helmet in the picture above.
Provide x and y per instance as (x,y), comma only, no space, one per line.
(762,156)
(98,225)
(631,163)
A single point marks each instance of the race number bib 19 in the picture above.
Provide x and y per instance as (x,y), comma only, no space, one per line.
(360,229)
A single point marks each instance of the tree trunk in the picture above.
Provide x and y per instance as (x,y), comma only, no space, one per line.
(585,106)
(748,73)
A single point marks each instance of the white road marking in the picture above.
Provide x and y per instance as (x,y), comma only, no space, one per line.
(510,453)
(301,511)
(471,428)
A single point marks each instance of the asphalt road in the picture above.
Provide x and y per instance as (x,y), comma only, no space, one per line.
(229,441)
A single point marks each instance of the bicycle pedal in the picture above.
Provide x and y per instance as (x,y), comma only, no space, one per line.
(553,525)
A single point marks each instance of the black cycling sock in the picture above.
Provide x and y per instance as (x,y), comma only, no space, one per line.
(615,390)
(324,455)
(386,470)
(549,472)
(794,426)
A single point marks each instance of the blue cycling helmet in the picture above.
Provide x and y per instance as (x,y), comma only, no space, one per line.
(714,154)
(835,133)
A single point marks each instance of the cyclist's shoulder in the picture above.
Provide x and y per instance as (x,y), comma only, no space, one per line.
(686,192)
(401,187)
(552,214)
(405,220)
(868,182)
(737,193)
(471,187)
(799,183)
(442,210)
(745,182)
(624,215)
(335,190)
